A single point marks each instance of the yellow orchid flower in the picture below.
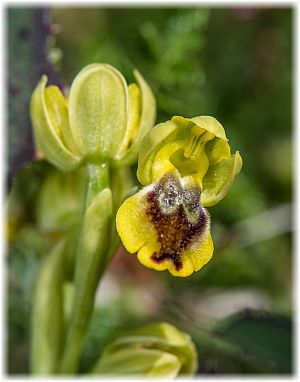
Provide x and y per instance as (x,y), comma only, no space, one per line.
(185,164)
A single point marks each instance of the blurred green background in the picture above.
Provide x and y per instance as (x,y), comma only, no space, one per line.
(236,65)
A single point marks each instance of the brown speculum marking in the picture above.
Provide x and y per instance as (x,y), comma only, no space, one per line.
(178,217)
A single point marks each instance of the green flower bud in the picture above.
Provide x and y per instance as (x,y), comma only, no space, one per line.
(195,147)
(108,118)
(105,120)
(154,350)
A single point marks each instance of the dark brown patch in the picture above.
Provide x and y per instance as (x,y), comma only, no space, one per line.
(24,33)
(178,217)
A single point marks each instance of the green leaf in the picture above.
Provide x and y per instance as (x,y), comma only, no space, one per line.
(47,314)
(265,337)
(90,265)
(91,253)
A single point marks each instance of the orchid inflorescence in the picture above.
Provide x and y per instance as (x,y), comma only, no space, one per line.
(95,134)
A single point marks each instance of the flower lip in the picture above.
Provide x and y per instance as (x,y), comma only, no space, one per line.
(177,216)
(166,226)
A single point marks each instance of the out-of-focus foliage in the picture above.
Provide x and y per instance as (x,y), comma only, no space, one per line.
(234,64)
(165,44)
(28,28)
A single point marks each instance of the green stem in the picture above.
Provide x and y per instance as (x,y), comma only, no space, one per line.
(90,261)
(98,179)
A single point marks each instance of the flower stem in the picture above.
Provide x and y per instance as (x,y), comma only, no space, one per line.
(90,261)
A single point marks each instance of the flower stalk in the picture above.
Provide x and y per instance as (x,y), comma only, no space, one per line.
(90,260)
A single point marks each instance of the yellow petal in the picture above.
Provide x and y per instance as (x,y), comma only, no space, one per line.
(158,136)
(162,163)
(193,259)
(219,178)
(217,149)
(211,125)
(145,256)
(200,253)
(187,267)
(141,118)
(145,253)
(134,99)
(132,222)
(205,122)
(48,117)
(57,108)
